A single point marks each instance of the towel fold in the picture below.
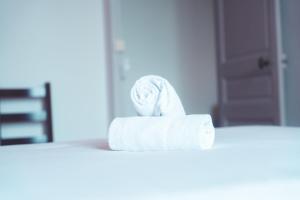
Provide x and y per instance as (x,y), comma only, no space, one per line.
(154,96)
(161,133)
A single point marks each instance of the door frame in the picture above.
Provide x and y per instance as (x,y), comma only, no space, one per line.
(281,57)
(110,99)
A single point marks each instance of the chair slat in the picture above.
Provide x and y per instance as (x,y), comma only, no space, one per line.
(24,117)
(23,140)
(38,92)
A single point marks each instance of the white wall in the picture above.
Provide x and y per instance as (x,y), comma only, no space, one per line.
(60,41)
(197,59)
(171,38)
(291,45)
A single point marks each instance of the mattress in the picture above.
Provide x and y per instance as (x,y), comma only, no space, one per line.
(251,162)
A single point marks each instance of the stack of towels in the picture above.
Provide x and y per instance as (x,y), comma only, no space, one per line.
(162,123)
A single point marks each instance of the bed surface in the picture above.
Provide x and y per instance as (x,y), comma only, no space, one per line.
(251,162)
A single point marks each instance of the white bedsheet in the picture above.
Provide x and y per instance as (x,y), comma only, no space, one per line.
(245,163)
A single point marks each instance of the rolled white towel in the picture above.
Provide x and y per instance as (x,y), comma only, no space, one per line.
(161,133)
(154,96)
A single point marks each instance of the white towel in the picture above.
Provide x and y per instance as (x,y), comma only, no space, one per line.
(154,96)
(161,133)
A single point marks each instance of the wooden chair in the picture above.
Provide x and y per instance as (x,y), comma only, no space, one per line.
(43,117)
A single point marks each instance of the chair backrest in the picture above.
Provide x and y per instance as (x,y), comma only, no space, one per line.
(43,117)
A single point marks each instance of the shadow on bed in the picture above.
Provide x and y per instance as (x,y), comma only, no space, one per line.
(95,144)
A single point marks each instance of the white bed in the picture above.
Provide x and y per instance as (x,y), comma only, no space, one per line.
(246,163)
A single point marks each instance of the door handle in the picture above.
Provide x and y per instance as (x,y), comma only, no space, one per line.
(263,63)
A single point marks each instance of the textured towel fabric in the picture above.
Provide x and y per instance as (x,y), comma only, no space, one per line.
(161,133)
(154,96)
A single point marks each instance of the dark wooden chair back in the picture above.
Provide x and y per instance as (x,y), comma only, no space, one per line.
(44,116)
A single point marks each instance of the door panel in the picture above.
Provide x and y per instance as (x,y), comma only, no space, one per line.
(250,111)
(246,28)
(236,87)
(247,62)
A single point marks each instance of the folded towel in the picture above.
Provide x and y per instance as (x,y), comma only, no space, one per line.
(154,96)
(161,133)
